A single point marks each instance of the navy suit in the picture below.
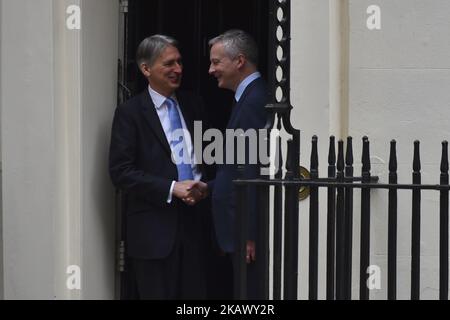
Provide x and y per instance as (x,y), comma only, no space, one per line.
(248,113)
(140,165)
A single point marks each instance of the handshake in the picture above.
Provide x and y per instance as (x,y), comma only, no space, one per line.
(191,192)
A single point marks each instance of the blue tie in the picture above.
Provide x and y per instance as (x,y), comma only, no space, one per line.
(184,167)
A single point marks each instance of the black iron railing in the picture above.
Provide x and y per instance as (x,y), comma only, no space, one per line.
(340,184)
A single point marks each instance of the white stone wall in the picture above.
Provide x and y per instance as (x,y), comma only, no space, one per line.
(399,79)
(398,89)
(99,94)
(58,92)
(28,142)
(310,99)
(1,169)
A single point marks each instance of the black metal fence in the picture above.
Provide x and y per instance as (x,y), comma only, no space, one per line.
(340,184)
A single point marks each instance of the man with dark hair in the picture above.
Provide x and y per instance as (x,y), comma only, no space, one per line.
(152,160)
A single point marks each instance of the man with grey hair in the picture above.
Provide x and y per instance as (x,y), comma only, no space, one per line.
(234,60)
(156,175)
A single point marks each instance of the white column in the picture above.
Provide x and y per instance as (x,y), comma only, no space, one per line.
(58,97)
(310,99)
(339,61)
(99,52)
(67,97)
(1,170)
(28,148)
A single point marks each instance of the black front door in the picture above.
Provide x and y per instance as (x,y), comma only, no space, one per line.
(193,23)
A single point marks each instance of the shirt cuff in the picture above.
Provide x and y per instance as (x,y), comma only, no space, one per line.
(169,198)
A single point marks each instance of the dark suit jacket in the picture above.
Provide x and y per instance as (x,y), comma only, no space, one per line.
(140,165)
(248,113)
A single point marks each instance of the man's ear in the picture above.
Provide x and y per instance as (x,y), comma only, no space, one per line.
(241,61)
(145,69)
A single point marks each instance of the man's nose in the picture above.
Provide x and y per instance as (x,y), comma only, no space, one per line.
(178,68)
(211,70)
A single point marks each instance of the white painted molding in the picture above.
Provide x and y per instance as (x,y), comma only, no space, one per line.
(339,62)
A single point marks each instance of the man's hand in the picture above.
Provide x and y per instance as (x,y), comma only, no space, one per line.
(202,188)
(190,191)
(251,251)
(199,191)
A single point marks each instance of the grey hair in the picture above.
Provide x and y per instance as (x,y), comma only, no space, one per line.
(151,48)
(236,42)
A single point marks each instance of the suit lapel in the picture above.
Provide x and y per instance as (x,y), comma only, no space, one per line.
(234,112)
(150,115)
(237,108)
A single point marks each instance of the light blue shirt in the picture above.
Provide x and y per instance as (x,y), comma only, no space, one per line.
(163,113)
(244,84)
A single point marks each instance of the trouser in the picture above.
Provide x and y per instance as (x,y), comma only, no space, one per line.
(181,275)
(252,279)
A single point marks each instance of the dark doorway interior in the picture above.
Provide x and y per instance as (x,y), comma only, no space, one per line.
(193,23)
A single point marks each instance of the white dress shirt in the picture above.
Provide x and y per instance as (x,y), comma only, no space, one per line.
(244,84)
(163,113)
